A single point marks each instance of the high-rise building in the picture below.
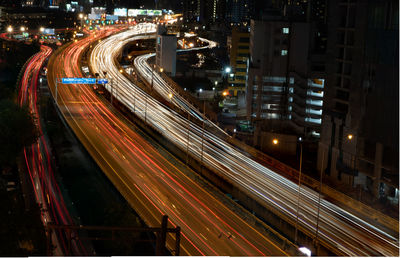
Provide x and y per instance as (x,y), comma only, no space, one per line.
(283,92)
(166,51)
(239,11)
(239,50)
(193,10)
(359,138)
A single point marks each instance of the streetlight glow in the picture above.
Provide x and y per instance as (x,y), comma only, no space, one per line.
(22,28)
(228,69)
(80,15)
(350,136)
(275,141)
(170,95)
(161,70)
(9,29)
(305,251)
(41,29)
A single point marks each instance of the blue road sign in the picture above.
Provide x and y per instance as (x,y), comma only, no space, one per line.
(102,81)
(79,80)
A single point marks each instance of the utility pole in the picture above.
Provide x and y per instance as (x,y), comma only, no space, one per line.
(298,193)
(202,137)
(162,236)
(188,136)
(56,89)
(319,195)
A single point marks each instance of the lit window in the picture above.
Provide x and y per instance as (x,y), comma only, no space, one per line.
(285,30)
(283,52)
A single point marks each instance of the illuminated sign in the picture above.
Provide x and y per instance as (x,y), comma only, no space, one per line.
(92,16)
(143,12)
(48,31)
(98,10)
(157,13)
(78,80)
(111,17)
(133,12)
(120,11)
(102,81)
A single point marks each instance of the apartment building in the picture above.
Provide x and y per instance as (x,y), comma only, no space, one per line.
(360,124)
(283,92)
(239,50)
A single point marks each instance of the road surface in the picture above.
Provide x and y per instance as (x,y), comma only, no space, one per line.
(150,182)
(337,228)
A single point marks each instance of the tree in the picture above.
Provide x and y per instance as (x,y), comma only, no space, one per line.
(16,131)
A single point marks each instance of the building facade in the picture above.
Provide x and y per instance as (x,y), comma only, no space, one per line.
(359,139)
(283,93)
(239,51)
(166,51)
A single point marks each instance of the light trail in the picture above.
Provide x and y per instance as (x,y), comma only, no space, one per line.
(151,182)
(38,160)
(337,228)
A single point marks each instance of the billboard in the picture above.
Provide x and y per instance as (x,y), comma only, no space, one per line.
(111,17)
(48,31)
(98,10)
(121,12)
(93,16)
(143,12)
(133,12)
(154,12)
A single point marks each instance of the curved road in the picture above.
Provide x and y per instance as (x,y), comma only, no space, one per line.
(338,229)
(151,182)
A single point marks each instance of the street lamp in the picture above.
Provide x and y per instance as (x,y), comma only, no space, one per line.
(81,17)
(152,76)
(170,96)
(319,197)
(9,29)
(22,28)
(228,69)
(161,70)
(41,29)
(275,141)
(352,157)
(298,192)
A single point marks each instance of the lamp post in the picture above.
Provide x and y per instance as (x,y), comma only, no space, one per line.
(298,192)
(152,76)
(319,197)
(81,18)
(275,141)
(9,29)
(202,137)
(188,138)
(352,158)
